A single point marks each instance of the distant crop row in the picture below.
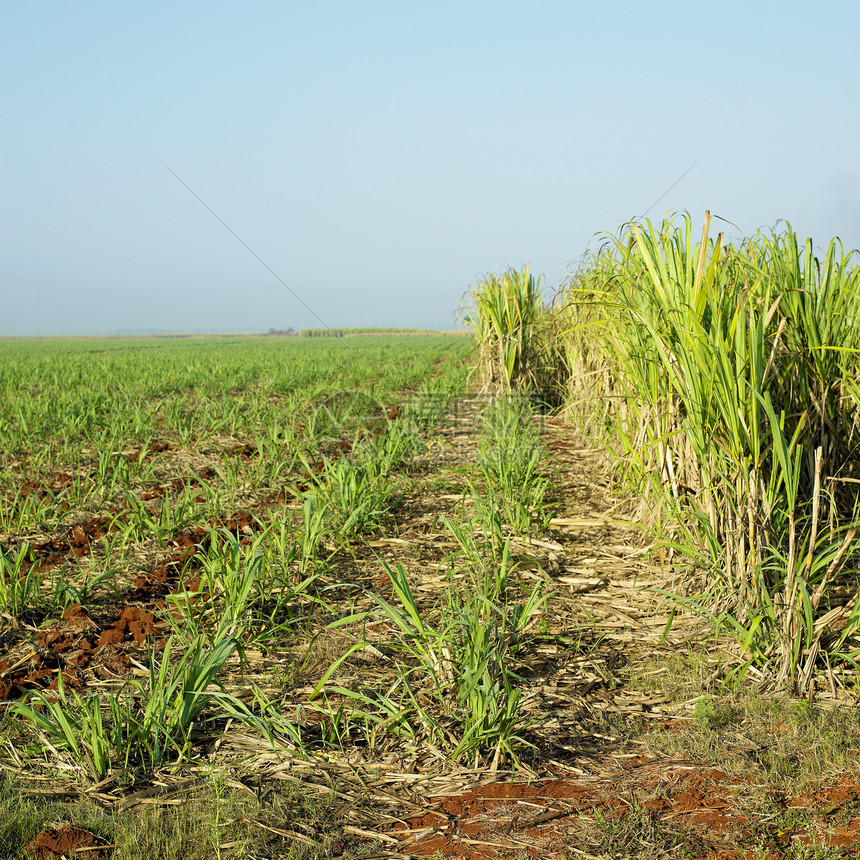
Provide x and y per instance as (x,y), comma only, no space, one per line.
(68,394)
(350,332)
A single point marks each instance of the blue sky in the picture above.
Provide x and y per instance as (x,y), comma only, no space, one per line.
(382,156)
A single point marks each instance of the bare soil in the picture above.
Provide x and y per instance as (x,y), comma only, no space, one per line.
(65,840)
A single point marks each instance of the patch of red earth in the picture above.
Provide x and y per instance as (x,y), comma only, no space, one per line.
(190,540)
(51,491)
(75,543)
(501,820)
(5,683)
(81,658)
(342,449)
(240,523)
(85,649)
(310,479)
(155,584)
(278,499)
(48,493)
(701,800)
(838,808)
(48,489)
(245,452)
(133,625)
(161,490)
(65,840)
(81,650)
(669,725)
(841,791)
(60,481)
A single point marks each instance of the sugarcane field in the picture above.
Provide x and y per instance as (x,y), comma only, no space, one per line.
(576,579)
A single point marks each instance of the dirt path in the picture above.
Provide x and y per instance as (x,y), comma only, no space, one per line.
(593,789)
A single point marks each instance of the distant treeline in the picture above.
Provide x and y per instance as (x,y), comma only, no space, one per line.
(345,332)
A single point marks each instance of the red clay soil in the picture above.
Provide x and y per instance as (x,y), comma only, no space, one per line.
(246,453)
(838,806)
(159,491)
(89,645)
(81,649)
(240,523)
(75,543)
(86,646)
(671,808)
(65,840)
(47,492)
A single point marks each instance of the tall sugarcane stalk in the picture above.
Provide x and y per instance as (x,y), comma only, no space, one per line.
(736,370)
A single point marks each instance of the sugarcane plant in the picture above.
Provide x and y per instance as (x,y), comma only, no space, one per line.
(735,415)
(503,311)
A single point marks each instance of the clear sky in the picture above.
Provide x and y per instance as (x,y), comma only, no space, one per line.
(382,156)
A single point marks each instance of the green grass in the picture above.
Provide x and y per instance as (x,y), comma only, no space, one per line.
(271,819)
(68,379)
(111,428)
(776,742)
(640,833)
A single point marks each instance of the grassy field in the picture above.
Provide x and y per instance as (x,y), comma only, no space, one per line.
(338,596)
(176,512)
